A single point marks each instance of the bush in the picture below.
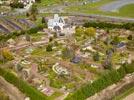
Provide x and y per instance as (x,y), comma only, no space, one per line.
(67,53)
(96,56)
(129,68)
(55,83)
(121,71)
(7,55)
(49,48)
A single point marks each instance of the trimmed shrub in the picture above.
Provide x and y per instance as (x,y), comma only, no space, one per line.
(129,26)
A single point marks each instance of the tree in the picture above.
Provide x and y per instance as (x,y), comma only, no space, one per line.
(91,32)
(7,54)
(50,39)
(28,38)
(54,34)
(96,56)
(33,12)
(19,67)
(43,20)
(122,71)
(116,40)
(107,64)
(130,37)
(49,48)
(68,53)
(79,31)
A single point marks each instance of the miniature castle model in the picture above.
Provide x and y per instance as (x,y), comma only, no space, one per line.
(56,24)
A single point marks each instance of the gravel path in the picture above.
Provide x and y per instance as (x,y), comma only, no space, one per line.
(113,6)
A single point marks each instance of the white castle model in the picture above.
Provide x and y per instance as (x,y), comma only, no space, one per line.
(56,24)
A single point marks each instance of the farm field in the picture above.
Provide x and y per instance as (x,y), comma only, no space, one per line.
(8,25)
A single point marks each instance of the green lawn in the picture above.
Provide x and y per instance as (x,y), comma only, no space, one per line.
(55,95)
(52,2)
(127,10)
(89,8)
(93,8)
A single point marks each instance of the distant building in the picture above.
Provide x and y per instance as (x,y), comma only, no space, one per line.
(56,24)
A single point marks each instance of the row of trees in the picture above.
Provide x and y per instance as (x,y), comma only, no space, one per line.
(129,26)
(105,80)
(22,86)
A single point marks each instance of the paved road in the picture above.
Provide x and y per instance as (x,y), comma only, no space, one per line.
(113,6)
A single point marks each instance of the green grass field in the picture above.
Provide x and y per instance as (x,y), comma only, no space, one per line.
(52,2)
(93,8)
(127,10)
(89,8)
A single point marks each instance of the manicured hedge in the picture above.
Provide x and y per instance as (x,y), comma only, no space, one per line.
(22,85)
(129,26)
(104,81)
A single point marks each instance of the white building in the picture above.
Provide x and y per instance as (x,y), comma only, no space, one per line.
(56,24)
